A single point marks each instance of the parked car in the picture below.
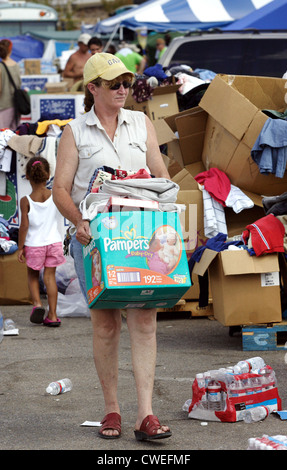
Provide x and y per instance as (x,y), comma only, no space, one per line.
(244,53)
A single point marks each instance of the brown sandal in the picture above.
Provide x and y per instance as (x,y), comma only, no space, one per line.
(111,421)
(149,428)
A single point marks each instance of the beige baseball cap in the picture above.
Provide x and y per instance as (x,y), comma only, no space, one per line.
(104,65)
(84,38)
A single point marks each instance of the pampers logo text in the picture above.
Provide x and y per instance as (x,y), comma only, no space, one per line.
(125,245)
(89,249)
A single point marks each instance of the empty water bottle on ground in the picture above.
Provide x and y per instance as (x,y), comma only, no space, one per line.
(253,415)
(250,365)
(61,386)
(9,324)
(1,327)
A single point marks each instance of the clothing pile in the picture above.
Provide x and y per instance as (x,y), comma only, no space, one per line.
(8,238)
(266,235)
(270,148)
(139,185)
(182,75)
(218,193)
(29,140)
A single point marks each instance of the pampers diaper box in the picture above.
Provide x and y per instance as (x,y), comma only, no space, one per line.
(136,259)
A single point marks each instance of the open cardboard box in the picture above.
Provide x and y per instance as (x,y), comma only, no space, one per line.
(245,289)
(235,119)
(189,129)
(163,103)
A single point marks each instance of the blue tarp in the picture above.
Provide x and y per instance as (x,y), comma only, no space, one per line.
(181,15)
(25,47)
(270,17)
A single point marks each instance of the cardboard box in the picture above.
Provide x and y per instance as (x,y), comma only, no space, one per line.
(136,259)
(163,103)
(38,82)
(235,119)
(189,126)
(32,66)
(60,87)
(56,106)
(245,289)
(14,281)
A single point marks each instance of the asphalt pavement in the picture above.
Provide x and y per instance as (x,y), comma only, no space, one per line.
(33,420)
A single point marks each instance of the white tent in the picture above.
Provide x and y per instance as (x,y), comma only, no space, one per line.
(181,15)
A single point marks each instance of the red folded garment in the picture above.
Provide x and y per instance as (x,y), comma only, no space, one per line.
(267,235)
(216,183)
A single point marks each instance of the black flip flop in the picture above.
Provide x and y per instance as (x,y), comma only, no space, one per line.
(37,315)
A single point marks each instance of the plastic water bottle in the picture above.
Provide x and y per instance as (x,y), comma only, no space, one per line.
(61,386)
(267,443)
(250,365)
(1,326)
(214,395)
(267,378)
(253,415)
(186,405)
(201,385)
(9,324)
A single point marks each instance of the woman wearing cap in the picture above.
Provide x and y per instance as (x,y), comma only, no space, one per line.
(109,135)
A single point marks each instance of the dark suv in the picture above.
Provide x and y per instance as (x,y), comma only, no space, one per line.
(244,53)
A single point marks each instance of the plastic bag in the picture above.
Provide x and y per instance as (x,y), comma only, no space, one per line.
(72,303)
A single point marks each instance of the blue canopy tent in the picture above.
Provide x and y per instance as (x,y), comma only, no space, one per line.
(181,15)
(25,47)
(271,17)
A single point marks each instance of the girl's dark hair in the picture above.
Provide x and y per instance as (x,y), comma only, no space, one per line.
(38,170)
(5,48)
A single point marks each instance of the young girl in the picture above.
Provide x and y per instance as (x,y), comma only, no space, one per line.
(40,242)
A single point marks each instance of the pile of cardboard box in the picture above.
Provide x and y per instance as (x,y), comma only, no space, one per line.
(220,133)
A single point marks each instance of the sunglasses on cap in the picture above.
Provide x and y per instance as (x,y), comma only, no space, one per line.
(117,86)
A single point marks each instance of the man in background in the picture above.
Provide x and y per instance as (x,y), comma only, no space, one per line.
(95,45)
(76,62)
(160,48)
(129,55)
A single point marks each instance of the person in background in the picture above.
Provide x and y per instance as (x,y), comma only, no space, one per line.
(127,141)
(39,241)
(160,48)
(95,45)
(129,55)
(76,62)
(8,117)
(111,49)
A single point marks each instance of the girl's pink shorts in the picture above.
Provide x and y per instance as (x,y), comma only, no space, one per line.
(49,256)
